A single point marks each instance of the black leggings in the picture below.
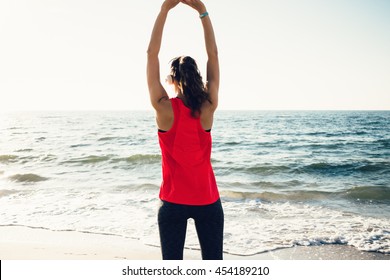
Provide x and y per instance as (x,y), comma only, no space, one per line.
(172,223)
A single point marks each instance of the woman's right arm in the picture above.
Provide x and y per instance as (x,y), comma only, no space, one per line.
(211,49)
(156,90)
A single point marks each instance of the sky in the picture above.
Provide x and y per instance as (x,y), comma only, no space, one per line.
(274,54)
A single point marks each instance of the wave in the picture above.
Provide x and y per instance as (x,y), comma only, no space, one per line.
(48,158)
(26,159)
(88,159)
(27,178)
(108,138)
(276,196)
(364,193)
(385,143)
(345,168)
(268,169)
(140,159)
(317,146)
(377,193)
(374,167)
(79,145)
(24,150)
(7,192)
(232,143)
(262,169)
(322,168)
(8,158)
(327,168)
(138,187)
(133,159)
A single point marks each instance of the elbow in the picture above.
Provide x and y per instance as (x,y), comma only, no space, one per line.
(213,52)
(151,52)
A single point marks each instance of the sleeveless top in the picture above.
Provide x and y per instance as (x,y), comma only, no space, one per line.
(187,174)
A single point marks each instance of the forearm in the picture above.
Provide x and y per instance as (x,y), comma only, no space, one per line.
(209,36)
(156,37)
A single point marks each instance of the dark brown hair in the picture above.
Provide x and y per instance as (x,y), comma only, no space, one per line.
(185,71)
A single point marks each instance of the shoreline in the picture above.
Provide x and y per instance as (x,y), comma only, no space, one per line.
(28,243)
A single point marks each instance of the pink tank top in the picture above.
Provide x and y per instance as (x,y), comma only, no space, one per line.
(187,174)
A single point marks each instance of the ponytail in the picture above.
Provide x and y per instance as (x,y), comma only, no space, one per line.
(185,71)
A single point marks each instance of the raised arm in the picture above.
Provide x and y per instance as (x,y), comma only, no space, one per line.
(156,90)
(211,49)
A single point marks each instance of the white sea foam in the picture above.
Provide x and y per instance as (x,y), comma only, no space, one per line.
(267,226)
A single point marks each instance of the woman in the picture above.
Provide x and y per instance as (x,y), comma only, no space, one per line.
(189,188)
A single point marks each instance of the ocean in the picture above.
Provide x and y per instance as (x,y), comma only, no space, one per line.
(286,178)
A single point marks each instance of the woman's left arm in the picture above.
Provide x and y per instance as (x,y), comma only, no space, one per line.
(156,90)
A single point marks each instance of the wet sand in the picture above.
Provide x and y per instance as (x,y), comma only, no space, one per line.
(25,243)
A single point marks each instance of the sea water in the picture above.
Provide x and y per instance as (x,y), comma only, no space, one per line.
(286,178)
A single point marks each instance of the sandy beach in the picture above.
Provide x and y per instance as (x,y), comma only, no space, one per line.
(25,243)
